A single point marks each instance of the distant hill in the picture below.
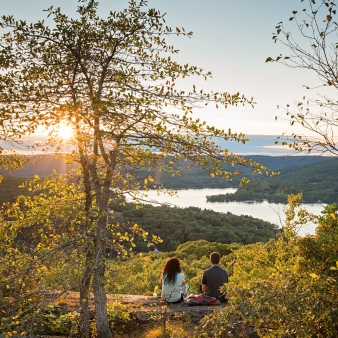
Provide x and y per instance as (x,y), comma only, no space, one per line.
(42,166)
(195,178)
(315,177)
(290,162)
(312,175)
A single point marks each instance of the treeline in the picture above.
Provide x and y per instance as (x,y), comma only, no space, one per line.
(180,225)
(192,178)
(313,168)
(316,182)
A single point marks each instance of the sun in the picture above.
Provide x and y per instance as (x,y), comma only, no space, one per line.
(65,131)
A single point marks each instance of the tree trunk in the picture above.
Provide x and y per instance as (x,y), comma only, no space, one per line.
(102,323)
(84,322)
(100,298)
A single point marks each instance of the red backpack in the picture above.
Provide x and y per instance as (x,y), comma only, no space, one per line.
(201,300)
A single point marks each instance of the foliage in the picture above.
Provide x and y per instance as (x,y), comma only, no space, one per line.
(40,248)
(55,320)
(297,275)
(9,162)
(169,331)
(203,248)
(42,252)
(51,320)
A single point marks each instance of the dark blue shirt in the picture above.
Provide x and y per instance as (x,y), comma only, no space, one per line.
(214,278)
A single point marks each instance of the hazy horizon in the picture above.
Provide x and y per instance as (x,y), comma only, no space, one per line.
(257,145)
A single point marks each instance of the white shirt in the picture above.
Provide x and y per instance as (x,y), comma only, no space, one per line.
(172,292)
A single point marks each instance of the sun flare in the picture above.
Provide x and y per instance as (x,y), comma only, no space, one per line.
(65,131)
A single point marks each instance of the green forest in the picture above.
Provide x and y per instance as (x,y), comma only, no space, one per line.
(314,180)
(180,225)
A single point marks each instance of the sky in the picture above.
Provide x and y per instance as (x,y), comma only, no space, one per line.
(232,39)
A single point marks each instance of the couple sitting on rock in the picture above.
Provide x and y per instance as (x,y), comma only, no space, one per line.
(174,288)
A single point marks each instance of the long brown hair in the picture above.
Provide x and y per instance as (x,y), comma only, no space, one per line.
(171,268)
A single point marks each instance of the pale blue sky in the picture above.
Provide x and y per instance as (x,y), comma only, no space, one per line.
(232,39)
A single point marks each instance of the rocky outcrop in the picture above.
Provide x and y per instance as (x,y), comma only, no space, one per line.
(146,308)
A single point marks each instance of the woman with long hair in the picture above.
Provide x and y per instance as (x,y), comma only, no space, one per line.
(172,280)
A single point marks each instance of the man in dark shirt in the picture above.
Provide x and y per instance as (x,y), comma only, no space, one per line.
(214,277)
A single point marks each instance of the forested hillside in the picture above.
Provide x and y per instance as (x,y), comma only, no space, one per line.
(316,181)
(180,225)
(313,167)
(40,165)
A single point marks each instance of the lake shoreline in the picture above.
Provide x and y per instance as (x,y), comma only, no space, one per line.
(270,212)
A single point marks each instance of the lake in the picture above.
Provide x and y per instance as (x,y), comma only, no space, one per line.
(271,212)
